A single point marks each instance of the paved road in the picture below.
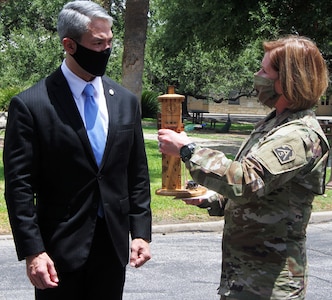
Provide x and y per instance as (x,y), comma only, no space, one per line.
(185,266)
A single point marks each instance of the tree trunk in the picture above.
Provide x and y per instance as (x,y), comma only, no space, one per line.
(136,21)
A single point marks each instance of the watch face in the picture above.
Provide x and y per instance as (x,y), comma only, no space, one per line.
(187,151)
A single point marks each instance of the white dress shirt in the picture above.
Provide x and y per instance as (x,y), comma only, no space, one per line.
(77,86)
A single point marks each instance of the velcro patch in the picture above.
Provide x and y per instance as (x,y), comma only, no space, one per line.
(284,153)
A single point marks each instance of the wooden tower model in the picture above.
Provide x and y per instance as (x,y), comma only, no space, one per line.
(171,118)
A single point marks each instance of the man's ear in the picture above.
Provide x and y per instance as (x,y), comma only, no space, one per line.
(69,45)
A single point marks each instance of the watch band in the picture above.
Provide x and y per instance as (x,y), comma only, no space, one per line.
(187,151)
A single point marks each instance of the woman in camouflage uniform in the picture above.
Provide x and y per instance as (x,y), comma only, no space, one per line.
(272,181)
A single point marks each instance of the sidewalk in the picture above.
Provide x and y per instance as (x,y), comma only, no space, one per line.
(184,266)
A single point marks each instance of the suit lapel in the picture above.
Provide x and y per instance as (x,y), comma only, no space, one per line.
(112,99)
(62,99)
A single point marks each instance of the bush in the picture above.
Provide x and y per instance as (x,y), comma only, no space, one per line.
(6,94)
(150,104)
(28,56)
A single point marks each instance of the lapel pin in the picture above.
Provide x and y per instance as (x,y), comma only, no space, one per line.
(111,91)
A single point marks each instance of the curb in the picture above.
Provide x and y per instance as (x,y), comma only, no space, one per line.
(215,226)
(320,217)
(218,226)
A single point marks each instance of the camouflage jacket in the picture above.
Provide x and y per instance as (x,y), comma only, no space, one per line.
(270,187)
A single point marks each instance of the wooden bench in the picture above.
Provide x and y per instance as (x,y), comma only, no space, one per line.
(213,122)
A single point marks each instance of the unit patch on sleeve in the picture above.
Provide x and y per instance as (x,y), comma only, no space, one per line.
(284,153)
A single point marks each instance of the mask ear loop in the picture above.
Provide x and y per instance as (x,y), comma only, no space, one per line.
(68,45)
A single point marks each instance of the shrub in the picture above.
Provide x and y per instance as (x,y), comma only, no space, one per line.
(150,104)
(6,94)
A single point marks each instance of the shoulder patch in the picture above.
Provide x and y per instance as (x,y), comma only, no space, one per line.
(284,153)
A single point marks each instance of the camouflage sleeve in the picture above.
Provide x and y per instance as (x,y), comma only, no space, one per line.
(272,162)
(300,156)
(212,169)
(279,160)
(215,205)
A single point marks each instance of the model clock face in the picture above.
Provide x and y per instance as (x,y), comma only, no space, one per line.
(170,117)
(171,108)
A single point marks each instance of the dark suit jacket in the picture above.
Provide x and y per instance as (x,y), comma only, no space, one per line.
(53,184)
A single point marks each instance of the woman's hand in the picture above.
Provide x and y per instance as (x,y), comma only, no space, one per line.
(194,201)
(170,142)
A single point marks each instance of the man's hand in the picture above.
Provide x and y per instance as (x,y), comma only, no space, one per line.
(140,252)
(41,271)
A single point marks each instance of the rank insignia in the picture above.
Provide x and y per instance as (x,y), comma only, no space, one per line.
(284,153)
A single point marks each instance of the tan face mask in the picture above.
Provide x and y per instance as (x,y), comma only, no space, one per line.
(267,95)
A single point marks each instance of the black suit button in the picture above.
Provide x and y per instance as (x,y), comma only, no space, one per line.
(100,177)
(95,205)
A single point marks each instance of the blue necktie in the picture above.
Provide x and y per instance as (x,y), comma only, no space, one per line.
(94,126)
(95,130)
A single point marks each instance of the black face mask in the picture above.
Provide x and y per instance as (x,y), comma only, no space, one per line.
(92,61)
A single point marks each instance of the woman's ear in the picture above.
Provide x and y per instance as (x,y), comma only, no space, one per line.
(277,87)
(69,45)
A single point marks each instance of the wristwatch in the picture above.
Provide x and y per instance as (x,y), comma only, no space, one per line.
(187,151)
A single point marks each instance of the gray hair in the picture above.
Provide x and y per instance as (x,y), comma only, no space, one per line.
(75,17)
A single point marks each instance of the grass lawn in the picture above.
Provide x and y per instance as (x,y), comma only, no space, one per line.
(165,209)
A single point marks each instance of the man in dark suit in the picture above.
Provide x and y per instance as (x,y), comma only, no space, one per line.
(72,204)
